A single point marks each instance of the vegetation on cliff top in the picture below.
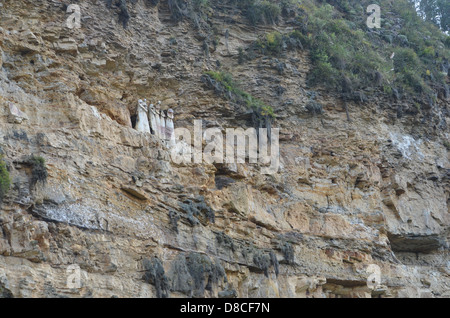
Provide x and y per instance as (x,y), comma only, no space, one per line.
(434,11)
(407,57)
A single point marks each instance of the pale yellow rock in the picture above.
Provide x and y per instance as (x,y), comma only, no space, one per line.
(348,195)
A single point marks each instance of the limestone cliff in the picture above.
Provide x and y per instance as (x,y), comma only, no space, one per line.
(372,190)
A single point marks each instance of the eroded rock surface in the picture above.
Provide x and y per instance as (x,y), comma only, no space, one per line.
(349,194)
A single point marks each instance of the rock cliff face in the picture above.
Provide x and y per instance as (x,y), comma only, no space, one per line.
(373,190)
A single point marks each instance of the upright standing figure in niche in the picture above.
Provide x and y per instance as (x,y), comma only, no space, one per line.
(170,129)
(152,118)
(163,125)
(158,120)
(142,118)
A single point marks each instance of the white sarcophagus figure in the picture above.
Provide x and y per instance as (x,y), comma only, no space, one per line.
(152,118)
(170,128)
(142,124)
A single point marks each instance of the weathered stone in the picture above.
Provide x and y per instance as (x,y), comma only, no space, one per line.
(67,45)
(16,116)
(348,195)
(135,193)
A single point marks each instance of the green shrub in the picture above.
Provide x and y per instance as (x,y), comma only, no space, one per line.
(260,12)
(296,34)
(124,15)
(224,78)
(38,170)
(177,9)
(338,49)
(412,81)
(405,59)
(274,43)
(274,40)
(447,41)
(429,52)
(271,11)
(270,43)
(447,145)
(5,181)
(240,96)
(341,46)
(324,73)
(193,10)
(200,5)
